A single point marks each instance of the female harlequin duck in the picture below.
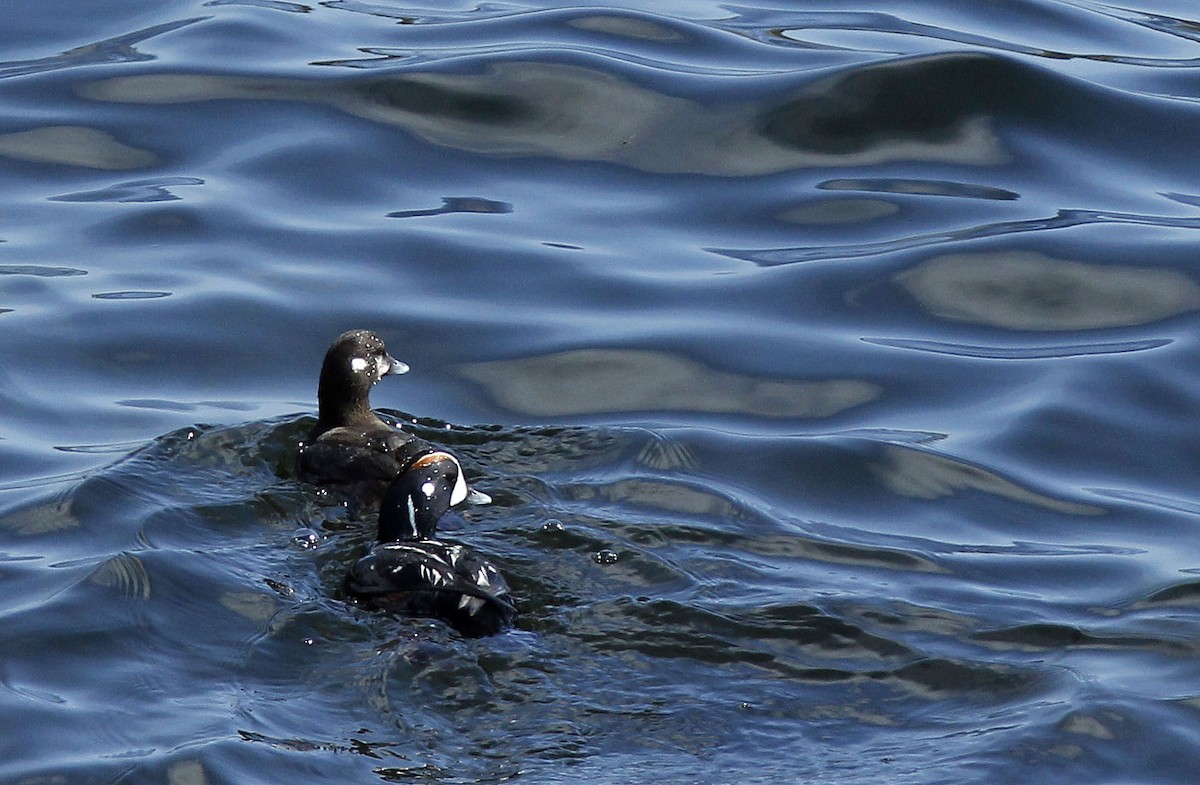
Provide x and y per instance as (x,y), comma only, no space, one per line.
(408,571)
(350,446)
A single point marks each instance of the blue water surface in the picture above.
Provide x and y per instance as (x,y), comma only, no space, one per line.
(833,370)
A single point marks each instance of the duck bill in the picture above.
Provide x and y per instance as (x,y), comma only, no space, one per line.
(477,498)
(465,494)
(395,367)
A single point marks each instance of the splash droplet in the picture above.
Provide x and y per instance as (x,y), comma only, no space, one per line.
(307,540)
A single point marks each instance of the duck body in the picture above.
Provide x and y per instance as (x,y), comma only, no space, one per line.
(350,447)
(366,458)
(409,571)
(350,444)
(437,579)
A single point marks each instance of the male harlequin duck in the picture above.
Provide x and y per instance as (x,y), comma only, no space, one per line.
(408,571)
(350,446)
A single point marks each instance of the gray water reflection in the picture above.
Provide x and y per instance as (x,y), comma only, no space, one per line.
(74,146)
(576,113)
(1031,291)
(923,475)
(565,384)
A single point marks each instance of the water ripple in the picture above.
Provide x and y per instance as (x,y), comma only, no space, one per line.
(1020,352)
(118,49)
(924,514)
(150,190)
(1064,219)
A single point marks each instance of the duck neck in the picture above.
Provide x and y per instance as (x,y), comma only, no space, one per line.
(342,404)
(398,521)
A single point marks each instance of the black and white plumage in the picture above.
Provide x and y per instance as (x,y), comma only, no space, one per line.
(408,571)
(350,447)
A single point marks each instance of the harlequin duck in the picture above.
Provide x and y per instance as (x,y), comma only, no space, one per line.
(350,446)
(407,571)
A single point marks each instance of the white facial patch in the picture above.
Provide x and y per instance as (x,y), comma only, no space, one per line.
(428,489)
(358,365)
(459,494)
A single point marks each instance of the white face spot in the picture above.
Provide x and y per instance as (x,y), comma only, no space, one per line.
(358,364)
(428,488)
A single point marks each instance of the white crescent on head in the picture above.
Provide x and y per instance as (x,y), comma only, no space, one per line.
(459,494)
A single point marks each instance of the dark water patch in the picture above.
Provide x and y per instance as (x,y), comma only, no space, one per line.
(1063,220)
(1044,637)
(921,187)
(165,225)
(133,191)
(838,211)
(457,204)
(935,677)
(273,5)
(118,49)
(40,271)
(903,108)
(861,556)
(1021,352)
(130,295)
(1185,594)
(787,641)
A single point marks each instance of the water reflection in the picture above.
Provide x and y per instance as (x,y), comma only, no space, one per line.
(130,295)
(838,211)
(40,271)
(124,573)
(574,112)
(934,108)
(457,204)
(919,187)
(1030,291)
(1063,219)
(151,190)
(924,475)
(119,49)
(634,27)
(634,380)
(74,146)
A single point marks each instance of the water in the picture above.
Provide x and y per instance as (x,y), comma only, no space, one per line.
(832,369)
